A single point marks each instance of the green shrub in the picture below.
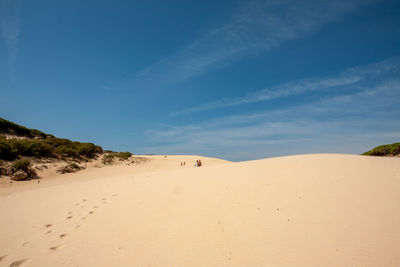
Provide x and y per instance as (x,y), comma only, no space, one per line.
(51,147)
(123,155)
(87,149)
(42,149)
(44,145)
(21,164)
(70,168)
(55,142)
(9,127)
(384,150)
(66,151)
(30,147)
(108,159)
(6,151)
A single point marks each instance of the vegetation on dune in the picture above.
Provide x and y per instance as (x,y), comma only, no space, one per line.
(53,147)
(21,170)
(8,127)
(70,168)
(21,164)
(123,155)
(27,142)
(108,159)
(384,150)
(110,156)
(19,145)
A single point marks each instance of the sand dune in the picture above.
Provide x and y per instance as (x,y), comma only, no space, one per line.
(306,210)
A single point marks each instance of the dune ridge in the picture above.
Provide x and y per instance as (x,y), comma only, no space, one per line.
(304,210)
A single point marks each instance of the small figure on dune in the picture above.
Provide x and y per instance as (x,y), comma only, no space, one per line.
(198,163)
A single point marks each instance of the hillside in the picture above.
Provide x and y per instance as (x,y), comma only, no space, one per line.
(21,146)
(8,128)
(17,141)
(385,150)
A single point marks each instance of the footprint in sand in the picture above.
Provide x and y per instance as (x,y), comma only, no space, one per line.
(48,225)
(95,207)
(17,263)
(2,257)
(54,248)
(84,200)
(69,217)
(77,226)
(90,212)
(48,232)
(69,212)
(63,235)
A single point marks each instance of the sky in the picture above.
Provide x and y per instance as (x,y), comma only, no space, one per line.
(238,80)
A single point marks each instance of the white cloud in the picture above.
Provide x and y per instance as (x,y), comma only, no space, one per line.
(259,26)
(346,123)
(349,77)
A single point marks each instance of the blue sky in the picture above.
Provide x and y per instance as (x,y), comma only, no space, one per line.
(238,80)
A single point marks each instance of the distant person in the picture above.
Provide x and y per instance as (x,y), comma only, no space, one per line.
(184,163)
(197,163)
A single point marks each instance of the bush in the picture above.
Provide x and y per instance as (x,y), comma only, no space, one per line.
(66,151)
(6,151)
(9,127)
(70,168)
(68,148)
(108,159)
(44,145)
(383,150)
(21,164)
(51,147)
(42,149)
(88,149)
(123,155)
(30,147)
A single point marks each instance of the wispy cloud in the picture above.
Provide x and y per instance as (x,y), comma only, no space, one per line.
(258,26)
(349,77)
(349,122)
(10,28)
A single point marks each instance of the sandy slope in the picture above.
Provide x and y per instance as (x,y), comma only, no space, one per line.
(95,168)
(308,210)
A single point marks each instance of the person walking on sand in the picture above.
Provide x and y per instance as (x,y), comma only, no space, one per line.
(196,164)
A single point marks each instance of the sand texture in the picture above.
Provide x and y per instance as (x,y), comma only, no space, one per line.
(306,210)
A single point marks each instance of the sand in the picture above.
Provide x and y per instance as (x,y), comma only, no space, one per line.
(305,210)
